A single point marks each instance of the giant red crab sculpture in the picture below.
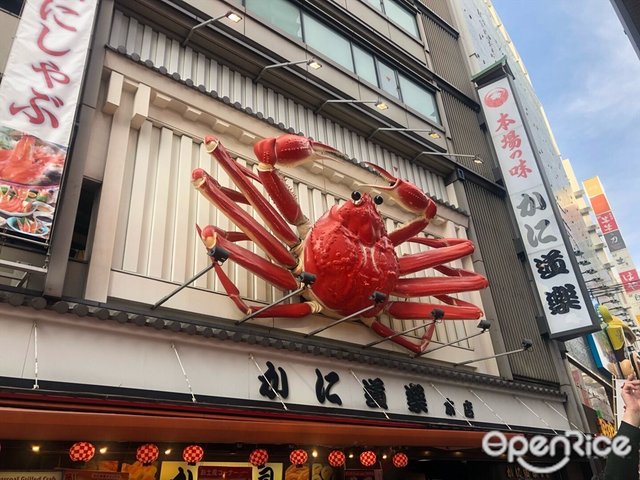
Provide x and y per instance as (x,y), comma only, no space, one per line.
(348,249)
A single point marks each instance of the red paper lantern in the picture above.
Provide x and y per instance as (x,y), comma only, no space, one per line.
(298,457)
(259,457)
(192,454)
(368,458)
(400,460)
(336,458)
(147,453)
(82,451)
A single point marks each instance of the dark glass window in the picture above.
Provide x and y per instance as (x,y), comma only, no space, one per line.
(12,6)
(280,13)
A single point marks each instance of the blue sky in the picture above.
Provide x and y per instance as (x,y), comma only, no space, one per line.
(587,76)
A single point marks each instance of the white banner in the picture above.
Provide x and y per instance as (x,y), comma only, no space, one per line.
(30,475)
(38,100)
(564,305)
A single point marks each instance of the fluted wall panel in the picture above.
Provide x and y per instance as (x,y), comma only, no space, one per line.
(160,208)
(190,66)
(446,56)
(510,288)
(439,7)
(468,137)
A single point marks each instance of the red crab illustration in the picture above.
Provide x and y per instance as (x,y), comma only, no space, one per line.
(348,250)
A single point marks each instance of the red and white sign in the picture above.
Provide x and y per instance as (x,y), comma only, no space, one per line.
(38,100)
(565,307)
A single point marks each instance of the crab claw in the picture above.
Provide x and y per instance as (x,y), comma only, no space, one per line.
(292,150)
(409,197)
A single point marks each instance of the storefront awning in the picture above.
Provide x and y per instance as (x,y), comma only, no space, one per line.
(163,426)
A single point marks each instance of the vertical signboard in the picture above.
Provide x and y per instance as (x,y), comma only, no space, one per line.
(615,242)
(566,310)
(38,98)
(613,237)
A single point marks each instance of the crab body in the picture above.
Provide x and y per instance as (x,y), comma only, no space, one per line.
(348,251)
(350,254)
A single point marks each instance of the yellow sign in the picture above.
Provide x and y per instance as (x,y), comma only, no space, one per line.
(184,471)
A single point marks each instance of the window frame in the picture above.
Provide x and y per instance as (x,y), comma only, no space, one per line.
(430,90)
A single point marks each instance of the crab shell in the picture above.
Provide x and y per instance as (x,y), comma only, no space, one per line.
(351,255)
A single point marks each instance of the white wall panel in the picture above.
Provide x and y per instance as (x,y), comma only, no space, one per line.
(160,240)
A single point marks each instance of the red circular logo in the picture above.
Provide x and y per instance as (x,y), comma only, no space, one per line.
(496,97)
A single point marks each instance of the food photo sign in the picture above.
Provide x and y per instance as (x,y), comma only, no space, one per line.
(38,100)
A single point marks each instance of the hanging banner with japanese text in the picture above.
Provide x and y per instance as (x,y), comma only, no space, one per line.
(565,307)
(38,99)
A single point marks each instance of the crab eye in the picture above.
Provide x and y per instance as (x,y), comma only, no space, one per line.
(355,196)
(378,200)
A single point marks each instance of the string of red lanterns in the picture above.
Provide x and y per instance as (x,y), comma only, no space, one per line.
(149,453)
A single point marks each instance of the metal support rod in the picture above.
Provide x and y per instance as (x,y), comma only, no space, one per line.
(35,352)
(523,349)
(266,307)
(412,329)
(539,417)
(324,104)
(348,317)
(268,383)
(397,129)
(562,416)
(278,65)
(191,280)
(370,396)
(449,344)
(193,397)
(491,409)
(452,405)
(202,24)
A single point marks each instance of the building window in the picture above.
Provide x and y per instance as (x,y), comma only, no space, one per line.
(12,6)
(333,45)
(398,14)
(365,65)
(388,81)
(325,40)
(281,13)
(421,100)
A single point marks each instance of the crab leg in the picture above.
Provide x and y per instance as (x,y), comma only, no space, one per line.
(212,237)
(412,199)
(210,188)
(268,214)
(385,331)
(289,150)
(454,309)
(280,277)
(445,250)
(464,281)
